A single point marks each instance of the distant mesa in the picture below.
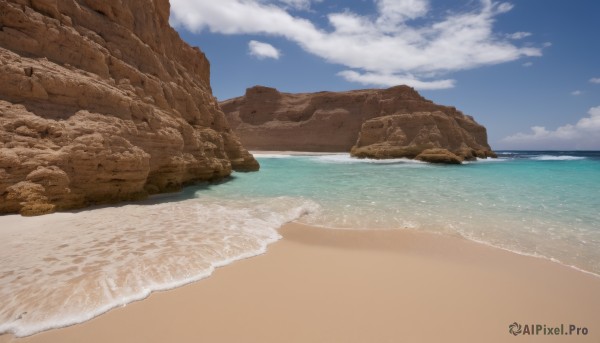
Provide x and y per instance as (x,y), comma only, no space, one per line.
(101,101)
(374,123)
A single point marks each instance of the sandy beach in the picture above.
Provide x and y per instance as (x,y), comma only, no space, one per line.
(319,285)
(301,171)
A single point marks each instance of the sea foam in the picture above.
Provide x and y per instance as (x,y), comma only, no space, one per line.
(66,268)
(265,155)
(558,158)
(347,159)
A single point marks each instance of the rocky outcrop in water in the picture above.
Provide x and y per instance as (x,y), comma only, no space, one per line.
(374,123)
(101,101)
(435,137)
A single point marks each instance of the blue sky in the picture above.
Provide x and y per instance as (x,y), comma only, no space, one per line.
(526,69)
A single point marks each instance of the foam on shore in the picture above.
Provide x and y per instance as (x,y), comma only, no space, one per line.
(67,268)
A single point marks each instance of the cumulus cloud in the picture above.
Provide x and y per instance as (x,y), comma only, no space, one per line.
(298,4)
(262,50)
(394,12)
(585,134)
(576,92)
(389,80)
(527,64)
(595,80)
(391,45)
(519,35)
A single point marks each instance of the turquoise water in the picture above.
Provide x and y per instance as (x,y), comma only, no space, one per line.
(543,204)
(66,268)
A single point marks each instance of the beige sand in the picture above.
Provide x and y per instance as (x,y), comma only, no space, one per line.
(319,285)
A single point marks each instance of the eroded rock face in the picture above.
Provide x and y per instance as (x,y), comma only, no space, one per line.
(442,156)
(101,101)
(386,123)
(435,137)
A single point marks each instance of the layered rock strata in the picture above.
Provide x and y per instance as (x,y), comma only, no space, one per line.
(434,137)
(101,101)
(374,123)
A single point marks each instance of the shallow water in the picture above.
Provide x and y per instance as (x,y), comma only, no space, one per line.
(537,203)
(66,268)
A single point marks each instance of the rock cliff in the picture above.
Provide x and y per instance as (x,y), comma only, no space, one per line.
(437,137)
(375,123)
(101,101)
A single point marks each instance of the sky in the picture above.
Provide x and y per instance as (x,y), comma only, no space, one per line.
(528,70)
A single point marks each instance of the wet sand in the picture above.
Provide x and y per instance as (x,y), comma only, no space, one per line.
(319,285)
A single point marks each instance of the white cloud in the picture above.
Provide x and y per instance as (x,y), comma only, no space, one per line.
(576,92)
(527,64)
(394,12)
(585,134)
(262,50)
(595,80)
(387,80)
(519,35)
(297,4)
(389,44)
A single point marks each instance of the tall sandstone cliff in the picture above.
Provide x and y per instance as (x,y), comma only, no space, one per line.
(375,123)
(101,101)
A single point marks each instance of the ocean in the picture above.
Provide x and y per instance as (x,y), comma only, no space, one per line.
(66,268)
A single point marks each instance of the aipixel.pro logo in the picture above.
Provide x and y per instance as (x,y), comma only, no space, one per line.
(516,329)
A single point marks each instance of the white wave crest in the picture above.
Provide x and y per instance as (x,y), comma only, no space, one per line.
(557,158)
(258,155)
(100,259)
(347,159)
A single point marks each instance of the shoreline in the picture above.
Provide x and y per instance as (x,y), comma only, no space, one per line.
(461,237)
(317,285)
(295,153)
